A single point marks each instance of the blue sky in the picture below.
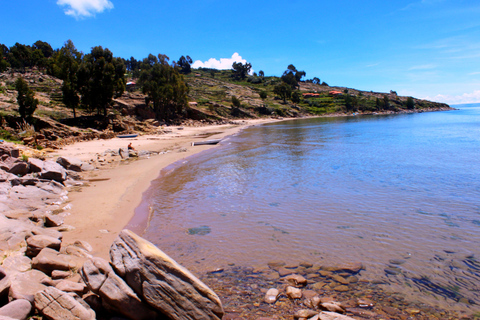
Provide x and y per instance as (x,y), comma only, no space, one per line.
(423,48)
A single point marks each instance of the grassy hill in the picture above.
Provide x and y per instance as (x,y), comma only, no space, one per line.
(211,93)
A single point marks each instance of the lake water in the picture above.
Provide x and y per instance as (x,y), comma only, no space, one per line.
(399,193)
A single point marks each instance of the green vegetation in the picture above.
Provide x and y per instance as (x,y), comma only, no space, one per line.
(25,99)
(164,86)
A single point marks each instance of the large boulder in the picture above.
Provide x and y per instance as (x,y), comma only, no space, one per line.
(49,259)
(19,168)
(36,165)
(18,309)
(115,293)
(53,171)
(36,243)
(162,282)
(58,305)
(24,285)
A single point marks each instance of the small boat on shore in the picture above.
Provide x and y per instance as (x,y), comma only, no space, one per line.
(200,143)
(127,136)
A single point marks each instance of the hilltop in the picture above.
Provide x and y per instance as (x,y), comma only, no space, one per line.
(214,97)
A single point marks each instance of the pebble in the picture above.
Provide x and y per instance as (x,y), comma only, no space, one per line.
(271,296)
(294,293)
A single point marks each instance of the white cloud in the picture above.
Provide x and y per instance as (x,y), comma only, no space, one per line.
(84,8)
(222,64)
(473,97)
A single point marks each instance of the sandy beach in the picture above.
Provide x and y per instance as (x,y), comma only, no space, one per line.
(106,203)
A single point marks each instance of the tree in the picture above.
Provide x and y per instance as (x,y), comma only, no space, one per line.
(241,70)
(410,103)
(184,64)
(164,86)
(283,90)
(45,47)
(25,99)
(316,80)
(3,58)
(261,74)
(65,64)
(101,77)
(386,102)
(296,97)
(292,76)
(20,56)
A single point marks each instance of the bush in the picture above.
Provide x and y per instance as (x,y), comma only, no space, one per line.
(236,102)
(263,94)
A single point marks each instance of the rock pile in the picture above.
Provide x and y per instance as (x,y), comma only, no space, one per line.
(40,275)
(140,282)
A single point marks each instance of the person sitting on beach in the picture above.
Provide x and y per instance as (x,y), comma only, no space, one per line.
(130,147)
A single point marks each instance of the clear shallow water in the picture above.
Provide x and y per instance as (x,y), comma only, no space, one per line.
(399,193)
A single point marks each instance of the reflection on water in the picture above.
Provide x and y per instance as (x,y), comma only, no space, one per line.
(398,193)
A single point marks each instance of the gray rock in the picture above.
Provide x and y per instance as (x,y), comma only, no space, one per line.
(53,171)
(161,282)
(19,168)
(17,309)
(60,274)
(57,305)
(70,286)
(36,165)
(48,260)
(70,163)
(47,232)
(25,284)
(115,293)
(36,243)
(17,263)
(52,220)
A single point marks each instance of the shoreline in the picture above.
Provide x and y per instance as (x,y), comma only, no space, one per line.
(108,200)
(111,196)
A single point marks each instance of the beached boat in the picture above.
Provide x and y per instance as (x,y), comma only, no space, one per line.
(199,143)
(127,136)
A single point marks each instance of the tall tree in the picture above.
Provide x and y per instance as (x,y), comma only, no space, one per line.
(100,77)
(20,56)
(292,76)
(283,90)
(45,47)
(3,58)
(65,64)
(164,86)
(410,103)
(27,104)
(241,70)
(184,63)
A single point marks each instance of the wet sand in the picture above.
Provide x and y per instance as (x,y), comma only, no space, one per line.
(105,204)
